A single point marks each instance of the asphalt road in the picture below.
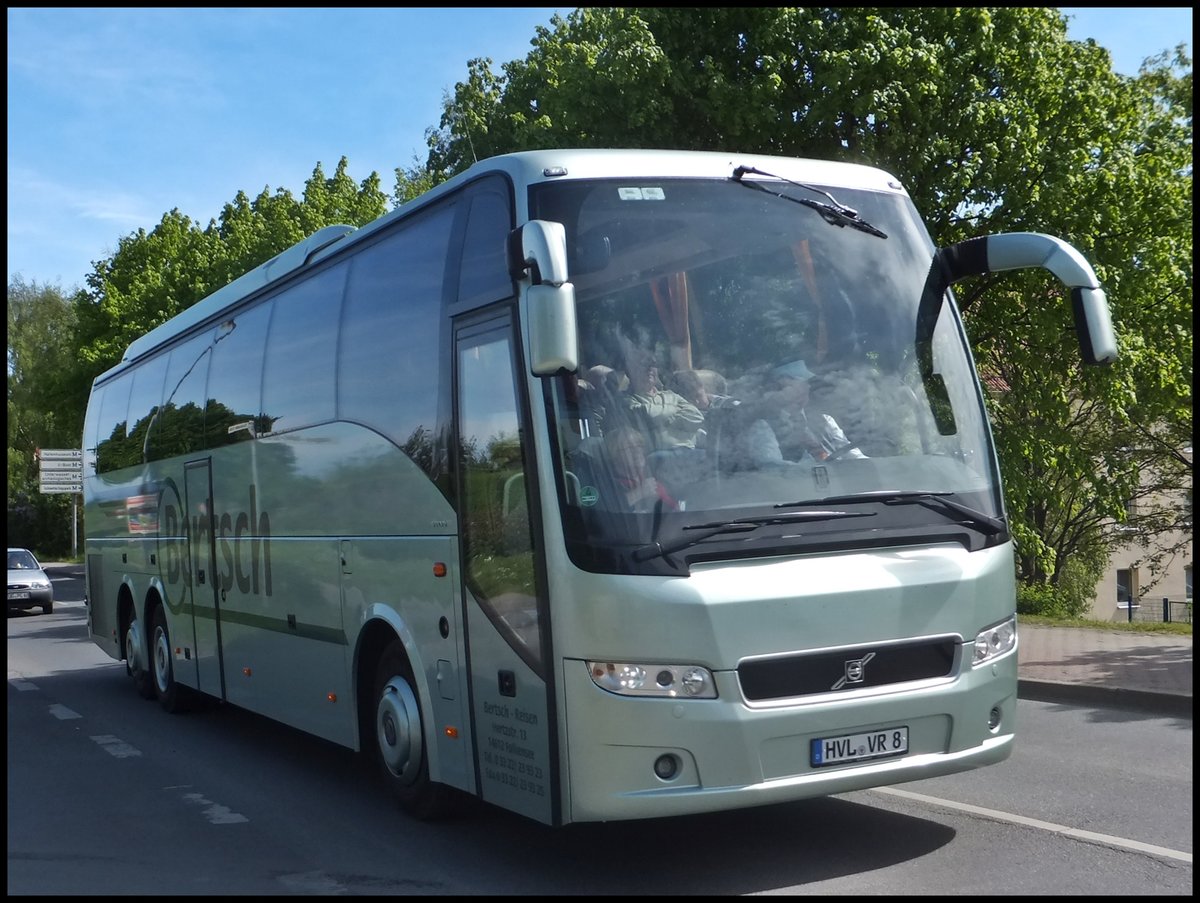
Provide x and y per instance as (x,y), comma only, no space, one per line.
(109,795)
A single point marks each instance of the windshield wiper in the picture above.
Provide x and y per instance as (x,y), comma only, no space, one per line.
(748,525)
(835,213)
(937,501)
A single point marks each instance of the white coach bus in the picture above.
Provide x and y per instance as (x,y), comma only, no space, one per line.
(443,489)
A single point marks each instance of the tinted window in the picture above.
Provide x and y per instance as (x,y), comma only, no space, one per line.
(483,274)
(388,351)
(91,419)
(235,379)
(497,534)
(144,401)
(111,427)
(298,373)
(179,429)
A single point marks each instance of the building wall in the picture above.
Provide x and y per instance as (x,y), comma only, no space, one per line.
(1173,582)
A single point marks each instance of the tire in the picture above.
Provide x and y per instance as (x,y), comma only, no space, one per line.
(171,696)
(398,741)
(48,608)
(136,659)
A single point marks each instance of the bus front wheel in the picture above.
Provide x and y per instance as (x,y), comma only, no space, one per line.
(399,745)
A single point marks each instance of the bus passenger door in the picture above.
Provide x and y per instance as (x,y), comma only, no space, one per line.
(203,580)
(507,622)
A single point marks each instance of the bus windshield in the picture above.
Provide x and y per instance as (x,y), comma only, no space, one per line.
(751,378)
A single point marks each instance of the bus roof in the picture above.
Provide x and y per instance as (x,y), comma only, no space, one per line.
(523,168)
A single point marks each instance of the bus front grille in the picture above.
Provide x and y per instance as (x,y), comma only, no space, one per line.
(809,673)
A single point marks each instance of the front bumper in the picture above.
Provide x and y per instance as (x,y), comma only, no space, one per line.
(24,597)
(733,755)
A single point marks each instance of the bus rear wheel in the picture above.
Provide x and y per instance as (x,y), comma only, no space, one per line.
(171,696)
(135,658)
(399,740)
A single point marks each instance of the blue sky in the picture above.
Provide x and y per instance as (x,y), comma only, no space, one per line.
(116,116)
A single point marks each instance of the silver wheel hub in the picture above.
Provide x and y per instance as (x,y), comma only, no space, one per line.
(133,648)
(398,729)
(162,659)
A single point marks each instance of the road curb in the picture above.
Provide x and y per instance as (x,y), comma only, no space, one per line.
(1173,704)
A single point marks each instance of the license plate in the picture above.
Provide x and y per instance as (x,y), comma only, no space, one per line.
(890,741)
(17,594)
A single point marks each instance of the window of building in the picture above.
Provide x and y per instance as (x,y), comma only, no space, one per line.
(1130,514)
(1127,587)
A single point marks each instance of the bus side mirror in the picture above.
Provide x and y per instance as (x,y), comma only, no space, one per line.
(553,337)
(539,250)
(1093,322)
(1018,250)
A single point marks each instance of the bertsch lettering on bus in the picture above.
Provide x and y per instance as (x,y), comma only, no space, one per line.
(236,542)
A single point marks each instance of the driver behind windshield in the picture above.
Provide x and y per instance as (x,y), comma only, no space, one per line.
(781,429)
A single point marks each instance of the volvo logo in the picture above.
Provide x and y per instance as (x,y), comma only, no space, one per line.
(856,671)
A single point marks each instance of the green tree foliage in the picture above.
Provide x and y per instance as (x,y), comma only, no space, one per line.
(996,123)
(58,345)
(154,275)
(40,358)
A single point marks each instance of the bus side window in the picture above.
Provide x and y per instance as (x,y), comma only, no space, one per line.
(497,533)
(235,380)
(112,428)
(145,400)
(298,372)
(483,273)
(388,372)
(179,429)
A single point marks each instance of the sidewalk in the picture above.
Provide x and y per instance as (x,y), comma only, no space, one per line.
(1149,671)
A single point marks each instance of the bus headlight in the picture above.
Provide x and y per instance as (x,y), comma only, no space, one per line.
(995,641)
(642,679)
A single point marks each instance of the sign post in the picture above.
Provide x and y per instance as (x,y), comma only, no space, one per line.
(61,470)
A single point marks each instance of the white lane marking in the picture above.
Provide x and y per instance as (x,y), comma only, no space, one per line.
(116,747)
(217,815)
(1078,833)
(22,686)
(62,713)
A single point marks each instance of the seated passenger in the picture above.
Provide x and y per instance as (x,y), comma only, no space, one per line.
(672,419)
(599,389)
(703,388)
(625,451)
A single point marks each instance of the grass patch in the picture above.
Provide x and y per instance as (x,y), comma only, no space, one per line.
(1174,628)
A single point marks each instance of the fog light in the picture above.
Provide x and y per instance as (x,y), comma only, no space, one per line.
(666,767)
(994,718)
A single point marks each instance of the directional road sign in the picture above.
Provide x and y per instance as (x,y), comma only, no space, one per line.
(60,454)
(60,469)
